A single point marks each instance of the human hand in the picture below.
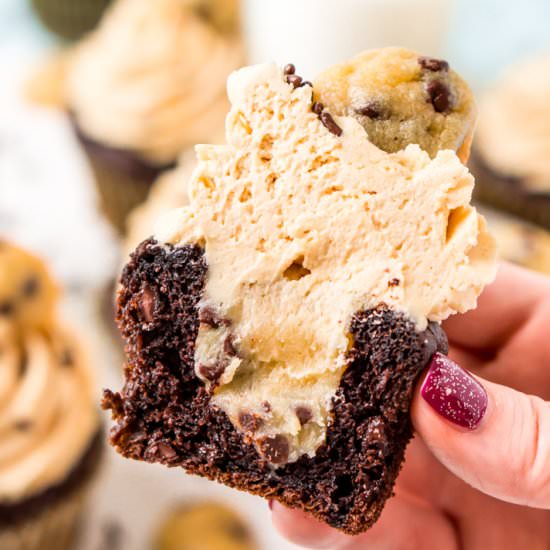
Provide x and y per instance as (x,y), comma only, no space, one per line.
(485,486)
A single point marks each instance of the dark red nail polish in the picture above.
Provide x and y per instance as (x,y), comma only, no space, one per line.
(454,393)
(270,504)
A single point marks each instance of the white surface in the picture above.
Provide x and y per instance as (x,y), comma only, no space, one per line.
(314,34)
(48,203)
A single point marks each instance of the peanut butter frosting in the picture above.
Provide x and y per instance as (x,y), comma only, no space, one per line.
(47,413)
(513,135)
(151,79)
(304,222)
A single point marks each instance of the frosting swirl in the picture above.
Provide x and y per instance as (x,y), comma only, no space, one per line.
(513,134)
(47,417)
(151,79)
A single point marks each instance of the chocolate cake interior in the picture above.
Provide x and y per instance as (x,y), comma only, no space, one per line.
(164,412)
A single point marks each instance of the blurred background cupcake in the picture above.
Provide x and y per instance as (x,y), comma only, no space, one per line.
(51,441)
(149,82)
(70,19)
(511,159)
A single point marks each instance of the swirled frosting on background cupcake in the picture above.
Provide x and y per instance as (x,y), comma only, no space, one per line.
(47,413)
(513,135)
(151,79)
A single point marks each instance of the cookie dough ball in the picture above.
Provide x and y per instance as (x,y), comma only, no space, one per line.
(400,98)
(27,292)
(204,526)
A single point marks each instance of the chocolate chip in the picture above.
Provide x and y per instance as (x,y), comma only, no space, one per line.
(6,308)
(432,64)
(147,304)
(67,358)
(304,414)
(23,425)
(229,346)
(439,96)
(394,282)
(166,450)
(289,69)
(266,406)
(294,80)
(249,421)
(30,287)
(211,373)
(372,109)
(275,448)
(330,124)
(207,316)
(317,108)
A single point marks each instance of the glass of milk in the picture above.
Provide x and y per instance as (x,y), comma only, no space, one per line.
(314,34)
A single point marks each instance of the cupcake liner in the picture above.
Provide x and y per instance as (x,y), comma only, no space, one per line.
(70,19)
(123,180)
(508,193)
(51,520)
(55,528)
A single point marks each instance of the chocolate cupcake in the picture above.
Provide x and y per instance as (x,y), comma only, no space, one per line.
(70,19)
(511,156)
(147,84)
(276,325)
(51,439)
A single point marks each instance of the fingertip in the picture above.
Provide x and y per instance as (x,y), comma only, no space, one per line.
(304,530)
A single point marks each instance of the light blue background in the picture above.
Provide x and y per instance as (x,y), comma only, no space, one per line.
(485,36)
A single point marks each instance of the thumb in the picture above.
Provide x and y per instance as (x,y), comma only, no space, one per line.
(494,438)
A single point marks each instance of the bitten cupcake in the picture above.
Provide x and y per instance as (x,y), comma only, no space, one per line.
(511,157)
(147,84)
(70,19)
(50,442)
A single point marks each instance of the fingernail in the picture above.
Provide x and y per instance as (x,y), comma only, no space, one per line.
(270,504)
(454,393)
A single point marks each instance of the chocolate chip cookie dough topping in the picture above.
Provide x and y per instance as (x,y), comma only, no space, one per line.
(302,228)
(401,98)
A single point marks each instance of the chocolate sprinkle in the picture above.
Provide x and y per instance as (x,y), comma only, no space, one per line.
(330,124)
(275,448)
(439,96)
(289,69)
(317,108)
(294,79)
(433,65)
